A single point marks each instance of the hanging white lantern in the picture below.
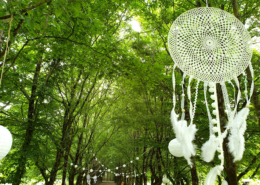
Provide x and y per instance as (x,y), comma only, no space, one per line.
(91,170)
(131,161)
(165,180)
(83,168)
(100,171)
(175,148)
(95,179)
(108,170)
(6,141)
(124,165)
(84,174)
(116,168)
(137,158)
(88,179)
(76,166)
(71,164)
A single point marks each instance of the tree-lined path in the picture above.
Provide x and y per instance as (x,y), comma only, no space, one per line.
(83,92)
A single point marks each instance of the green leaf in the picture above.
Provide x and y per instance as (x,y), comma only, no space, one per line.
(58,12)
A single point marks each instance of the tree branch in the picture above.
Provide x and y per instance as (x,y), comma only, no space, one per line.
(26,9)
(248,167)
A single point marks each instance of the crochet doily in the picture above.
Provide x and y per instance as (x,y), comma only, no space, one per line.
(210,44)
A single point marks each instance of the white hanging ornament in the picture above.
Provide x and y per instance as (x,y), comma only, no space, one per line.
(100,171)
(95,179)
(124,165)
(137,158)
(213,46)
(91,170)
(88,179)
(165,180)
(209,48)
(108,170)
(6,141)
(175,148)
(116,168)
(131,161)
(83,169)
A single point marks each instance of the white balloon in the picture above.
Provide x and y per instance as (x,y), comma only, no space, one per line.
(175,148)
(6,141)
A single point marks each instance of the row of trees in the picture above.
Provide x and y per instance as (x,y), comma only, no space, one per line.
(79,81)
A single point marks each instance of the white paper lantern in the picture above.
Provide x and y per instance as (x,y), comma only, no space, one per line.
(100,171)
(131,161)
(71,164)
(108,170)
(6,141)
(116,168)
(124,165)
(91,170)
(165,180)
(76,166)
(175,148)
(83,168)
(137,158)
(95,179)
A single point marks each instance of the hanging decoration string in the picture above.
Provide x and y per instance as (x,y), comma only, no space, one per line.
(6,48)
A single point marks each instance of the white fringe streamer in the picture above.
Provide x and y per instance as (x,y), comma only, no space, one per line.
(209,148)
(224,182)
(212,175)
(185,135)
(236,142)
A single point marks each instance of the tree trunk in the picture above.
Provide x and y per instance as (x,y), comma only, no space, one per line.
(194,175)
(230,167)
(21,169)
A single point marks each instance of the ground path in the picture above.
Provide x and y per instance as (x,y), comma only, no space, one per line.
(108,183)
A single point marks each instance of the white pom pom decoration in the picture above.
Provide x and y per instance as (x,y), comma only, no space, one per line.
(6,141)
(175,148)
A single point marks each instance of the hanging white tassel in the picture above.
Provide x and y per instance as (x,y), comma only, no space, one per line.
(185,135)
(188,147)
(174,118)
(212,175)
(224,182)
(236,142)
(209,148)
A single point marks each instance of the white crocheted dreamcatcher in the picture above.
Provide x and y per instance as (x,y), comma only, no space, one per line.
(212,46)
